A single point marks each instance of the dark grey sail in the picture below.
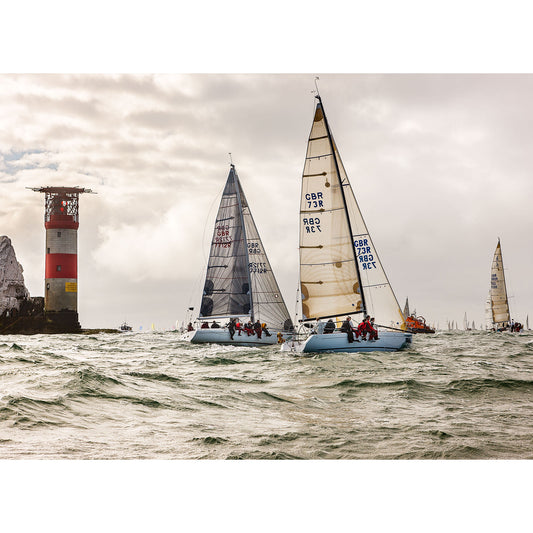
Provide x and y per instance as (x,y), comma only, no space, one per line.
(239,280)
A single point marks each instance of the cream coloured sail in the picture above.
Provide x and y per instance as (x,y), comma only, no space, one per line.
(328,274)
(499,305)
(337,255)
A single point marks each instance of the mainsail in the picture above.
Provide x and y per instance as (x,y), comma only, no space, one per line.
(239,280)
(340,270)
(499,305)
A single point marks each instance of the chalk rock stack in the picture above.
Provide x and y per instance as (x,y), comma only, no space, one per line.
(12,289)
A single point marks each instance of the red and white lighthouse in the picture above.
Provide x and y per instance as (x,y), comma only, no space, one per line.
(61,220)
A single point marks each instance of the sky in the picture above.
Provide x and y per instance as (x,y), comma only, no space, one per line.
(439,163)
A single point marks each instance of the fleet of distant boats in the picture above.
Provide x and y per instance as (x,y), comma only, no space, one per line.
(347,303)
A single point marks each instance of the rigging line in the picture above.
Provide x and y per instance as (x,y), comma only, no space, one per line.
(194,288)
(390,327)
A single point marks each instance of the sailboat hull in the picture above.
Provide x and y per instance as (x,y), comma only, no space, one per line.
(388,341)
(222,336)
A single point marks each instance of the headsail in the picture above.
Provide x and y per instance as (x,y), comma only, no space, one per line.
(239,280)
(337,255)
(499,304)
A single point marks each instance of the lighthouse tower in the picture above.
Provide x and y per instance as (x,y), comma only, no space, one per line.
(61,220)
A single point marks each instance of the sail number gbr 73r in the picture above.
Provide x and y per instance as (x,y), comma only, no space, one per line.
(364,254)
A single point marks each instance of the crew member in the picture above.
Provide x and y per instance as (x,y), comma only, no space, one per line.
(364,327)
(329,327)
(347,328)
(231,327)
(372,331)
(265,330)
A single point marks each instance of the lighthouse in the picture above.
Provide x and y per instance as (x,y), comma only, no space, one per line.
(61,220)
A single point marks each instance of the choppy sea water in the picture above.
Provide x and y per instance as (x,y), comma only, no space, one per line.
(459,395)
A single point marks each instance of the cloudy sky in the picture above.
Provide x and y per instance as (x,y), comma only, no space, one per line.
(440,165)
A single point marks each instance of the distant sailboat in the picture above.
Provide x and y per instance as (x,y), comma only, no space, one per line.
(406,312)
(239,282)
(473,325)
(498,317)
(340,272)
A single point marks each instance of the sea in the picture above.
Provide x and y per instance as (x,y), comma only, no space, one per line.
(149,398)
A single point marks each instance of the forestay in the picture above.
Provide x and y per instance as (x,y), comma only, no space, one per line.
(239,280)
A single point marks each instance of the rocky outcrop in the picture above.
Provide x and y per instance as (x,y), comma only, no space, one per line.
(13,292)
(19,313)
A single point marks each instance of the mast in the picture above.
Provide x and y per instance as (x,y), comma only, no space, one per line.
(245,239)
(363,302)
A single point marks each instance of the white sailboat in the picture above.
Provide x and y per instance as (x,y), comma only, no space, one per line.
(340,272)
(239,282)
(497,309)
